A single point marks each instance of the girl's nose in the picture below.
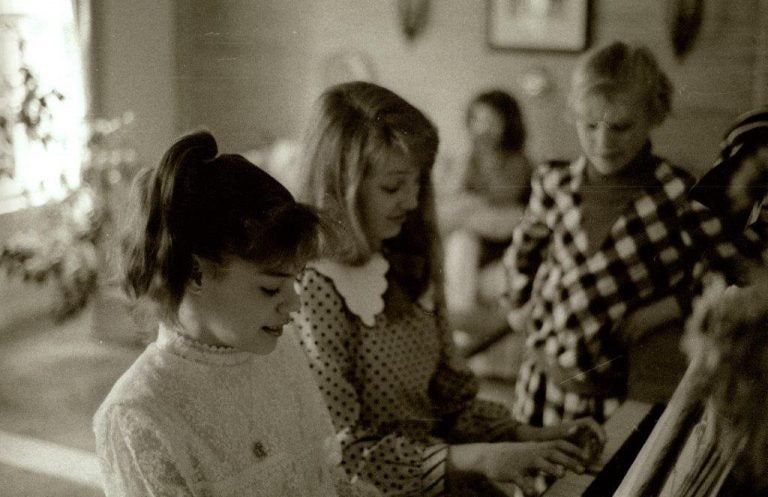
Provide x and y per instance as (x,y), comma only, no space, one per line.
(410,199)
(290,301)
(602,136)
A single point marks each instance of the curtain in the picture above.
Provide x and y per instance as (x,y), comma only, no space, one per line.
(83,19)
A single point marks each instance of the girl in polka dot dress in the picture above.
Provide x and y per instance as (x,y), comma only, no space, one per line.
(220,404)
(372,317)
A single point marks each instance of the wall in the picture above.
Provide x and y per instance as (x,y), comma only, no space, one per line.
(133,50)
(252,68)
(443,69)
(241,68)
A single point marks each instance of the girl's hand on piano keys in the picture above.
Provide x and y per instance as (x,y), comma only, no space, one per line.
(566,429)
(586,433)
(573,427)
(590,437)
(517,462)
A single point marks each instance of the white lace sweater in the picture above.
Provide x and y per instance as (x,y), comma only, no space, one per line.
(191,420)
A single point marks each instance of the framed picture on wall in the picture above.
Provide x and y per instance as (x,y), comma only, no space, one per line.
(559,25)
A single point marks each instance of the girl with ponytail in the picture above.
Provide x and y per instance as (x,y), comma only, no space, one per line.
(223,402)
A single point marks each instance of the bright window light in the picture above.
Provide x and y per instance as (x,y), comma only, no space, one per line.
(51,51)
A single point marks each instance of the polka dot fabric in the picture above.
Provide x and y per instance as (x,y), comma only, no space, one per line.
(394,400)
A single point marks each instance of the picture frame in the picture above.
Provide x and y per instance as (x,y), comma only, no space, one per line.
(545,25)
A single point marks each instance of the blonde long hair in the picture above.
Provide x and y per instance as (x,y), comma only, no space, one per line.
(355,126)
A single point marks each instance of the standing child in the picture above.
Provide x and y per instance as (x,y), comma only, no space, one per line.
(220,404)
(607,250)
(372,317)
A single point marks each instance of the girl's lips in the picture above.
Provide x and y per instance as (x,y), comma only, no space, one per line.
(275,331)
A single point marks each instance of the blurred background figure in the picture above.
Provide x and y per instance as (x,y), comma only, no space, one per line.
(481,206)
(737,185)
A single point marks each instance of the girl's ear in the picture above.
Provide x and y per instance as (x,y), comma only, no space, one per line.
(195,284)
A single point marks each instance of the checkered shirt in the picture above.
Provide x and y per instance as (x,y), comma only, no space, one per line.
(655,248)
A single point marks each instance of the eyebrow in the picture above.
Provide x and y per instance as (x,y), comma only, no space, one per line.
(278,274)
(400,173)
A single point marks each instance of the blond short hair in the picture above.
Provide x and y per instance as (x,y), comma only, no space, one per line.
(622,67)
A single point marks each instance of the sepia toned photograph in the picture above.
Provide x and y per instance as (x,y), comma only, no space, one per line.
(374,248)
(538,24)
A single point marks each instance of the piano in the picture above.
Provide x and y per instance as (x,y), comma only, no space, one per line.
(627,430)
(643,444)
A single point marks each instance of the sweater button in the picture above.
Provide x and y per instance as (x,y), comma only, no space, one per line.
(259,450)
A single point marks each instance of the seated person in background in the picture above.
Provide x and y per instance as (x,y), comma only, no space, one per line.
(483,205)
(608,246)
(737,185)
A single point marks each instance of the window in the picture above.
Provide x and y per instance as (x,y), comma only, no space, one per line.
(42,86)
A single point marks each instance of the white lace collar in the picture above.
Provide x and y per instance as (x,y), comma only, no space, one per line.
(363,287)
(174,342)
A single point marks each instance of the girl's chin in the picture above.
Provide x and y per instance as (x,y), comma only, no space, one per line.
(264,345)
(262,348)
(397,227)
(387,236)
(608,169)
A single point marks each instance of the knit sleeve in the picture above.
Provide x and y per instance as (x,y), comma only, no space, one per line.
(529,242)
(136,458)
(394,462)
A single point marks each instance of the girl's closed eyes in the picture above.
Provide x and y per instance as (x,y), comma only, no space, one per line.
(391,189)
(617,127)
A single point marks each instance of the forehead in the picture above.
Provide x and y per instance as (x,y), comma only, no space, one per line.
(282,269)
(483,108)
(616,106)
(392,166)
